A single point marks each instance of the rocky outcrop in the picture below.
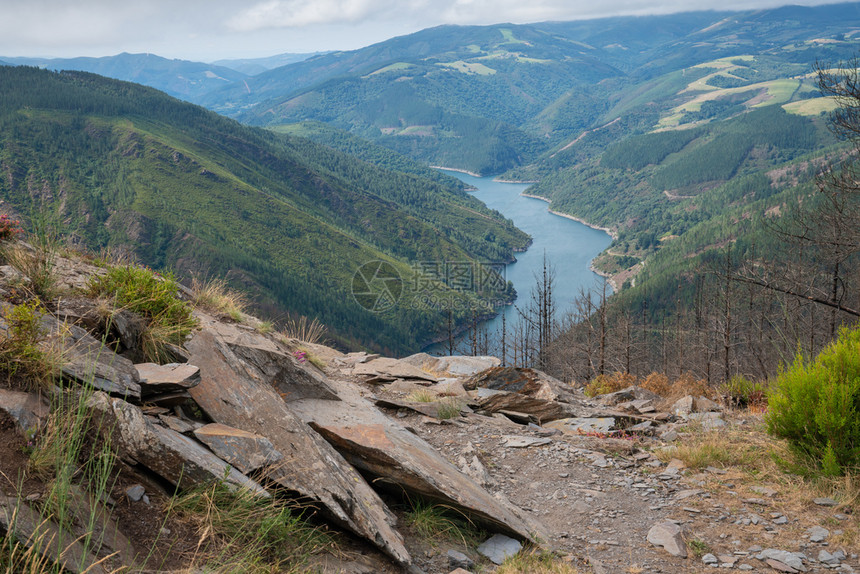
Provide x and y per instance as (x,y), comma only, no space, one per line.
(242,395)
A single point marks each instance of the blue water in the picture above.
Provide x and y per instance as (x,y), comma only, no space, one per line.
(569,247)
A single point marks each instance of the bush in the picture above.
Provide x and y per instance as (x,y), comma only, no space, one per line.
(743,393)
(815,405)
(154,296)
(20,350)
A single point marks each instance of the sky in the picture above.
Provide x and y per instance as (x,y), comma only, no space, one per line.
(209,30)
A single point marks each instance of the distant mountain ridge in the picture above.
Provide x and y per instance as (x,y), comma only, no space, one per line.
(179,78)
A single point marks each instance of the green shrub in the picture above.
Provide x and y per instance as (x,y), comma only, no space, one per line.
(815,405)
(20,352)
(154,296)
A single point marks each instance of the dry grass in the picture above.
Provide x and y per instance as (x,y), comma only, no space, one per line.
(214,295)
(536,562)
(422,396)
(752,459)
(304,330)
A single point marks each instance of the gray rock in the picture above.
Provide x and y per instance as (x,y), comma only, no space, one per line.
(167,453)
(790,559)
(710,559)
(47,538)
(825,501)
(670,435)
(135,492)
(668,535)
(170,378)
(710,421)
(826,557)
(90,361)
(583,425)
(246,451)
(29,410)
(459,560)
(818,534)
(512,441)
(453,366)
(499,548)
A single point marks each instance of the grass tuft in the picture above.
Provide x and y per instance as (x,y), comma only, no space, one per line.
(437,523)
(242,532)
(536,562)
(303,330)
(214,295)
(154,296)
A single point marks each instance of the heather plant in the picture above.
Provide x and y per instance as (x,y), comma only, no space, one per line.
(815,405)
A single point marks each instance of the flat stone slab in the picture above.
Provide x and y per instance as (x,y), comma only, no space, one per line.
(499,548)
(512,441)
(89,361)
(668,535)
(246,451)
(173,377)
(393,369)
(583,425)
(452,366)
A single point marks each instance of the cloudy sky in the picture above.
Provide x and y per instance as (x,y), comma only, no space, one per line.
(208,30)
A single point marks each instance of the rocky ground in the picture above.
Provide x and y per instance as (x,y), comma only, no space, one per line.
(599,496)
(629,481)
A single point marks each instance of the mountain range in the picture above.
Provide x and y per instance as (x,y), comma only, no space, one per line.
(678,132)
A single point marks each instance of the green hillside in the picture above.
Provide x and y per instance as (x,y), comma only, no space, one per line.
(285,218)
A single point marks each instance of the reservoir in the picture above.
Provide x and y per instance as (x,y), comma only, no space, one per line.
(569,247)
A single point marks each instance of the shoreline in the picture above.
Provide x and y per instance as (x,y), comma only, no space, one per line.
(606,230)
(467,172)
(526,181)
(608,276)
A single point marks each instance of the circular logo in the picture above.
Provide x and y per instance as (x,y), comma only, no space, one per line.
(377,286)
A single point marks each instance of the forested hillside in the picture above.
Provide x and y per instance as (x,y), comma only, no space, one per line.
(290,221)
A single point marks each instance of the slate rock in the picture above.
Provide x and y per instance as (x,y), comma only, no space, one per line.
(459,560)
(579,425)
(452,366)
(499,548)
(246,451)
(89,361)
(493,401)
(29,410)
(631,393)
(668,535)
(51,542)
(135,492)
(791,559)
(825,501)
(524,381)
(392,369)
(173,377)
(818,534)
(173,456)
(247,382)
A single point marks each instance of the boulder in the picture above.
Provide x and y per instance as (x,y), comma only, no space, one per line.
(246,384)
(175,457)
(156,379)
(631,393)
